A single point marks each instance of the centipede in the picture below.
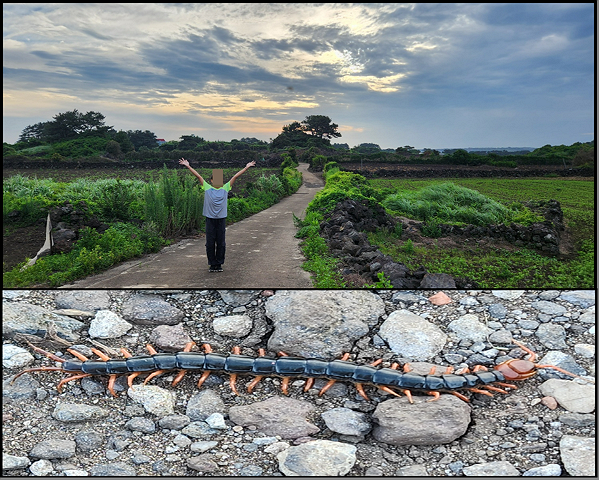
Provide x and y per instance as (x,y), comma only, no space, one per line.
(392,380)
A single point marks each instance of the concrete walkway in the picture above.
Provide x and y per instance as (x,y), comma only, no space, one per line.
(262,252)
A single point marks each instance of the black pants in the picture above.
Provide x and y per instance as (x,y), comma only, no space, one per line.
(215,240)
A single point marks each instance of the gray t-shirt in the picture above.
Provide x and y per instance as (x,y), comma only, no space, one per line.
(215,200)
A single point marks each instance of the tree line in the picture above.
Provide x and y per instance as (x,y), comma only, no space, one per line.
(75,134)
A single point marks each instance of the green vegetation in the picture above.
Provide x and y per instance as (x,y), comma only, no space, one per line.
(501,268)
(322,266)
(461,201)
(169,205)
(164,208)
(93,253)
(450,203)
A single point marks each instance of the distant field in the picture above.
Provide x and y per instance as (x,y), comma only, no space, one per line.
(499,268)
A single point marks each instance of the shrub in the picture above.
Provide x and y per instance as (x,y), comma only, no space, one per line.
(174,204)
(450,203)
(81,147)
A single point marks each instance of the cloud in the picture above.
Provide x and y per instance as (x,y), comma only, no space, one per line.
(366,66)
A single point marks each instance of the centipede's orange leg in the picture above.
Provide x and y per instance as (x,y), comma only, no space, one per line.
(461,397)
(100,354)
(436,396)
(482,392)
(408,394)
(46,354)
(257,379)
(75,353)
(388,390)
(153,374)
(68,379)
(284,385)
(111,381)
(508,385)
(495,389)
(329,384)
(203,378)
(532,354)
(232,380)
(309,384)
(361,391)
(131,377)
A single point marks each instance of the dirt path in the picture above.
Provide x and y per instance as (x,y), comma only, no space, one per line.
(262,252)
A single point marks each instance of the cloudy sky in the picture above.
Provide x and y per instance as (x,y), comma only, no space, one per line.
(425,75)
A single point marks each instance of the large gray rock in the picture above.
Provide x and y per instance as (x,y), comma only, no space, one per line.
(276,416)
(322,324)
(399,422)
(320,458)
(30,319)
(412,336)
(578,455)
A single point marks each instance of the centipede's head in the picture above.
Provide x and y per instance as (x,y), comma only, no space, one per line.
(518,369)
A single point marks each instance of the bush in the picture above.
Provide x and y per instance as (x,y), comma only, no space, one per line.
(81,147)
(174,204)
(92,253)
(113,148)
(317,162)
(447,202)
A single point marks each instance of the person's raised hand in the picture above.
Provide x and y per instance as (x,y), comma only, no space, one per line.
(251,164)
(182,161)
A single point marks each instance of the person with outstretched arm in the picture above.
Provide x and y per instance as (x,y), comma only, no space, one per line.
(215,211)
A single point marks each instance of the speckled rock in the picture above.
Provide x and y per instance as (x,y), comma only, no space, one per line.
(276,416)
(411,336)
(398,422)
(578,455)
(319,458)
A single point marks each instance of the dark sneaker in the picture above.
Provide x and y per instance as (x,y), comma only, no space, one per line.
(219,268)
(213,268)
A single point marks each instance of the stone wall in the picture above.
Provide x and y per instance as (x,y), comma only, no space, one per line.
(344,228)
(344,231)
(465,172)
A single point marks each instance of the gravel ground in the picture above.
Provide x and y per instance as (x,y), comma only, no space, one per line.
(520,433)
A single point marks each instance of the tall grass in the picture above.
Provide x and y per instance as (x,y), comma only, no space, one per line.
(447,202)
(497,268)
(174,204)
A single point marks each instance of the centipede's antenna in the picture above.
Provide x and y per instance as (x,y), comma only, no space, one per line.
(533,357)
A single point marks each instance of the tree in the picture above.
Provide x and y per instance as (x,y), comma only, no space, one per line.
(124,142)
(293,127)
(70,125)
(320,126)
(113,148)
(32,132)
(189,142)
(367,148)
(142,139)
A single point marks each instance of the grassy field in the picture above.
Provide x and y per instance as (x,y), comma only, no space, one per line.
(493,267)
(143,210)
